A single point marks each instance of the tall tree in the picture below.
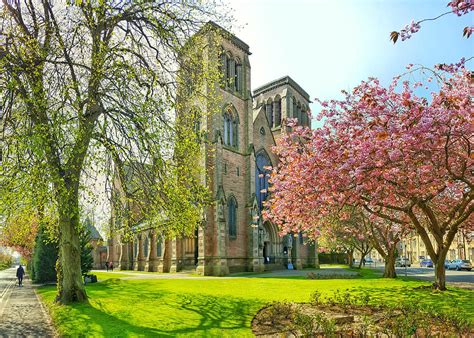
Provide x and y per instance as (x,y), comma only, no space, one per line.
(402,158)
(78,75)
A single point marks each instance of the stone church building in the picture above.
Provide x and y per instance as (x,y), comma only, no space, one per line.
(234,237)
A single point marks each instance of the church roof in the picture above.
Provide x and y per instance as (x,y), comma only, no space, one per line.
(283,81)
(93,232)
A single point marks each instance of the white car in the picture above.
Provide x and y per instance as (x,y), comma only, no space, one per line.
(402,262)
(460,264)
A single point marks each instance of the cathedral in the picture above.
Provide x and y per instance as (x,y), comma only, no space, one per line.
(234,237)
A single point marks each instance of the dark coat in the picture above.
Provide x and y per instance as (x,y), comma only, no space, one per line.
(20,271)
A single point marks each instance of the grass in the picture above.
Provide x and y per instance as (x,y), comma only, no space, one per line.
(218,307)
(102,276)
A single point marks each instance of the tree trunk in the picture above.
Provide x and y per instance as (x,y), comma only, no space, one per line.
(389,271)
(350,256)
(70,288)
(362,257)
(440,271)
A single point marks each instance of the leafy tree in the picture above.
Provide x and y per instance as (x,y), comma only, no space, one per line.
(343,231)
(81,78)
(403,159)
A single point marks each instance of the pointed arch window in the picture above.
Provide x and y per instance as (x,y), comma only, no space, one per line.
(238,76)
(145,247)
(261,177)
(277,112)
(223,64)
(230,72)
(231,127)
(135,249)
(269,112)
(232,216)
(159,246)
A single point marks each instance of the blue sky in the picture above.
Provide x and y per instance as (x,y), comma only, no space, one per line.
(329,45)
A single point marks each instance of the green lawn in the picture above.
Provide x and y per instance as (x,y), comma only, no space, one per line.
(102,276)
(218,307)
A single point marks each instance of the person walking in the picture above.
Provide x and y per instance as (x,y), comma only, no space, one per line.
(20,272)
(107,266)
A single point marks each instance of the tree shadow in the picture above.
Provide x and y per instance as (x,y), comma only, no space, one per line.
(116,308)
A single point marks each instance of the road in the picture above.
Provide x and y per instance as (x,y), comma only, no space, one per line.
(21,314)
(7,282)
(452,276)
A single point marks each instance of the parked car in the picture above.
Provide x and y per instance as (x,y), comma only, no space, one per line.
(426,263)
(369,261)
(460,264)
(446,264)
(402,261)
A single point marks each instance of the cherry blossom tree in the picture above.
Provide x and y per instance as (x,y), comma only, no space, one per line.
(403,158)
(457,7)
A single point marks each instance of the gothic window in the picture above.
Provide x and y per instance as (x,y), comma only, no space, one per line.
(159,248)
(305,117)
(235,128)
(295,112)
(230,72)
(231,131)
(224,69)
(145,247)
(269,112)
(238,76)
(231,128)
(232,216)
(277,112)
(135,248)
(261,177)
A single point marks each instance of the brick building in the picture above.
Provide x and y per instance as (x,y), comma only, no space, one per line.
(233,237)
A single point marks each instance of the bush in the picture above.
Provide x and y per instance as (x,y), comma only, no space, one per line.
(45,255)
(87,261)
(332,258)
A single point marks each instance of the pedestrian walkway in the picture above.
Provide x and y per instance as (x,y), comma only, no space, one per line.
(21,313)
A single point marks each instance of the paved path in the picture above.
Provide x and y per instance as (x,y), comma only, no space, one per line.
(21,313)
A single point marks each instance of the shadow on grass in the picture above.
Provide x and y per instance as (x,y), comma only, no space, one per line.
(118,308)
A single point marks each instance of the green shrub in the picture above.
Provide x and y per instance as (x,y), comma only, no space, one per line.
(45,254)
(87,261)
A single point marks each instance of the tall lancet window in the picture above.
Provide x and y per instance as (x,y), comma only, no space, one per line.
(232,216)
(261,177)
